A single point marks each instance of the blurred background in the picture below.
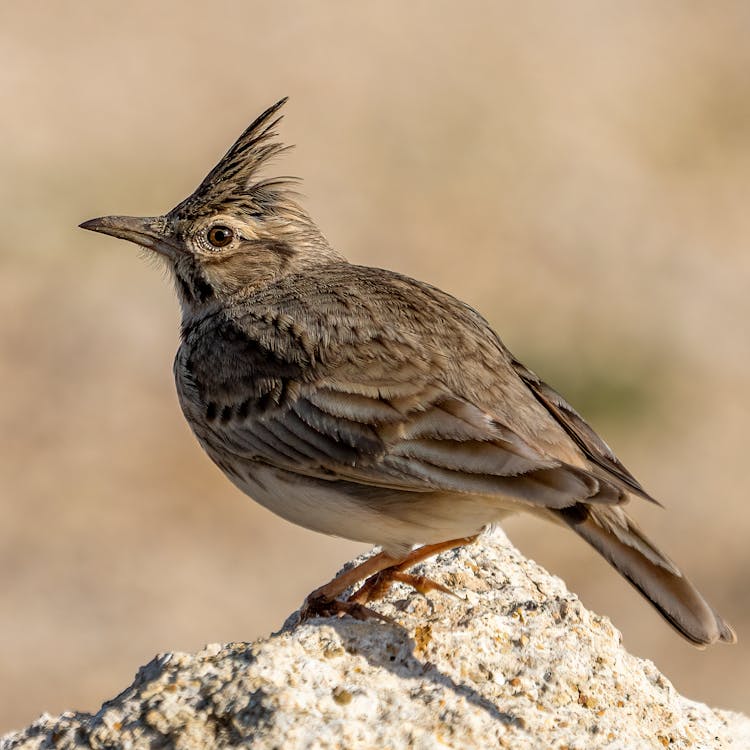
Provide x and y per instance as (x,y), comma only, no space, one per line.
(577,171)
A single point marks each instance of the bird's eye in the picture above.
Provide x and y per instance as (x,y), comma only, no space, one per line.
(220,236)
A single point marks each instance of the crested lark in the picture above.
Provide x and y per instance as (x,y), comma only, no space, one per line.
(361,403)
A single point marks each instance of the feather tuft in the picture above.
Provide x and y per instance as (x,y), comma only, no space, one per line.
(234,184)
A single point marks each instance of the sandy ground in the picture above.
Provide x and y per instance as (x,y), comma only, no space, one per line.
(578,172)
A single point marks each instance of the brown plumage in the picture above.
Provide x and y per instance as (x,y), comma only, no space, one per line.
(365,404)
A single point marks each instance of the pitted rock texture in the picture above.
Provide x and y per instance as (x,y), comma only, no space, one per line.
(514,660)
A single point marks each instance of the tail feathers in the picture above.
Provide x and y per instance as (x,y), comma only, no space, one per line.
(616,537)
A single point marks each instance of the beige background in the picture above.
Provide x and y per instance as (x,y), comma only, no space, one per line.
(577,171)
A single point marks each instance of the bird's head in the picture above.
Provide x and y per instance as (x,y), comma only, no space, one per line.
(236,233)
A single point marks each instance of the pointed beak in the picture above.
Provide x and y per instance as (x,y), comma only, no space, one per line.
(146,231)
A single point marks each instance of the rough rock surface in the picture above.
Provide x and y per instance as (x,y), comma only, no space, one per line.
(513,661)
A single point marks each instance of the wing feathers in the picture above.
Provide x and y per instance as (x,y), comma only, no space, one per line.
(354,434)
(550,488)
(423,440)
(470,456)
(595,449)
(354,406)
(330,448)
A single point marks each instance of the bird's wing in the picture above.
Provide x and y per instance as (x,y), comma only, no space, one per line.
(593,447)
(374,378)
(409,435)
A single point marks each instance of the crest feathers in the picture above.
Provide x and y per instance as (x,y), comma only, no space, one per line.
(254,147)
(233,180)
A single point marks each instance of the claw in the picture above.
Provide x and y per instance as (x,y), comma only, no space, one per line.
(376,586)
(378,573)
(422,584)
(323,607)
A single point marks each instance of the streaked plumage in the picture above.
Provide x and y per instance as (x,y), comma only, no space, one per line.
(365,404)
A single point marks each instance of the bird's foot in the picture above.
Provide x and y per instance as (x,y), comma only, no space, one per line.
(322,606)
(379,572)
(376,586)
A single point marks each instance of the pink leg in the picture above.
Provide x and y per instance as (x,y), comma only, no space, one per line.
(379,572)
(378,583)
(323,602)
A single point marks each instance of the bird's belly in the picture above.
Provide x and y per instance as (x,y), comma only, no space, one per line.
(395,520)
(314,505)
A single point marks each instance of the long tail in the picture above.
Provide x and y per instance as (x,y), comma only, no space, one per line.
(616,537)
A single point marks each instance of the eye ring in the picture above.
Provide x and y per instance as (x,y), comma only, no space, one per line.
(219,235)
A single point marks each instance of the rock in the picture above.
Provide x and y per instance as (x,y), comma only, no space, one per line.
(514,660)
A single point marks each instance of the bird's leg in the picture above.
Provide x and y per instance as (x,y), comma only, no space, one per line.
(379,573)
(323,602)
(378,582)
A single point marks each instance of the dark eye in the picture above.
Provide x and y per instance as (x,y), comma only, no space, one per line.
(220,236)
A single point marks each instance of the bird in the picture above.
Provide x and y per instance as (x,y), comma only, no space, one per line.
(361,403)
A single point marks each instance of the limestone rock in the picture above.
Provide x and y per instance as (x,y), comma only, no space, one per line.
(513,661)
